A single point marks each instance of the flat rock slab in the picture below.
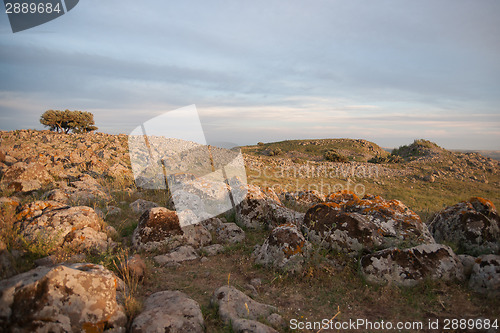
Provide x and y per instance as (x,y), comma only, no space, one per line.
(183,253)
(169,311)
(242,312)
(408,267)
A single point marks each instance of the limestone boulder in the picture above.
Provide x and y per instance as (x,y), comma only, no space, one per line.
(242,312)
(408,267)
(230,233)
(260,209)
(285,249)
(159,229)
(78,228)
(473,226)
(485,276)
(352,225)
(169,311)
(177,256)
(75,298)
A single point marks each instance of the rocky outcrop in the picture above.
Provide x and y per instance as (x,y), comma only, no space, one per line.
(169,311)
(303,199)
(410,266)
(485,276)
(285,249)
(241,312)
(259,210)
(349,224)
(77,228)
(75,298)
(230,233)
(472,226)
(159,229)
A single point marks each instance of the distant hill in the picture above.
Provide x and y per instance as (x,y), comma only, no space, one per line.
(493,154)
(421,148)
(352,149)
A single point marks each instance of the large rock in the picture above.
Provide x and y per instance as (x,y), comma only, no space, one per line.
(159,229)
(262,209)
(78,228)
(485,277)
(76,298)
(242,312)
(349,224)
(410,266)
(169,311)
(472,226)
(230,233)
(285,249)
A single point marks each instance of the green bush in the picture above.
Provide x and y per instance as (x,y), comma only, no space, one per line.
(333,156)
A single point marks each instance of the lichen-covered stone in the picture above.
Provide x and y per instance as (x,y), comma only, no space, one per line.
(169,311)
(303,199)
(285,249)
(230,233)
(36,208)
(182,253)
(242,312)
(78,228)
(410,266)
(259,210)
(473,226)
(485,276)
(159,229)
(75,298)
(353,225)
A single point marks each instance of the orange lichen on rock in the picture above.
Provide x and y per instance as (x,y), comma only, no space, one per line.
(485,202)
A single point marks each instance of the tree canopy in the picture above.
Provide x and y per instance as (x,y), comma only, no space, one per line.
(65,121)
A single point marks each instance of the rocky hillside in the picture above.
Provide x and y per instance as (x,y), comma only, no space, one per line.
(314,150)
(83,249)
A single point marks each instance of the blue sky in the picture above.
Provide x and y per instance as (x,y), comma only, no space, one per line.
(386,71)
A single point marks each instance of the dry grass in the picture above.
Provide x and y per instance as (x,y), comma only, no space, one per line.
(133,305)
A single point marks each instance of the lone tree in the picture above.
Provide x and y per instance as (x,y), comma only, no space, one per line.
(65,121)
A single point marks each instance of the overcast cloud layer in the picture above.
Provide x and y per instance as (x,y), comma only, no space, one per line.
(386,71)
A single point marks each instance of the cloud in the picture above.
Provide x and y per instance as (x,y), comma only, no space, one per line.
(265,68)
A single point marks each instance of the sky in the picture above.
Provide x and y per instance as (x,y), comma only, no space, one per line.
(386,71)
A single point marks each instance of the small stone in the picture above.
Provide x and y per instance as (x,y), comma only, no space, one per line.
(183,253)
